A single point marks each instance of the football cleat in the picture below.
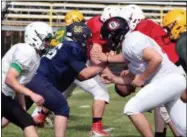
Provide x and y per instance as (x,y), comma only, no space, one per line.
(97,130)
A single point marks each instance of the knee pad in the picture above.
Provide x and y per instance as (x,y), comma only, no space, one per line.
(131,107)
(63,111)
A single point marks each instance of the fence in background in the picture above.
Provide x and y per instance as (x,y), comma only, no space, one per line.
(19,14)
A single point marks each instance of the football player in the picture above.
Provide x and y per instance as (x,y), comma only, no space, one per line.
(175,24)
(138,22)
(94,85)
(18,67)
(59,68)
(150,67)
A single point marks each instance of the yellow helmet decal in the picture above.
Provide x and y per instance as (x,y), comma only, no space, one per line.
(59,37)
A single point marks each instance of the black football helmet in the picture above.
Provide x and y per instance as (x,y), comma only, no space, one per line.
(114,31)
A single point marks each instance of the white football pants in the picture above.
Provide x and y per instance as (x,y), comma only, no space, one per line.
(94,86)
(164,91)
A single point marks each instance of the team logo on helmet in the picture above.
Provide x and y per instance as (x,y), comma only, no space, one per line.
(113,25)
(78,29)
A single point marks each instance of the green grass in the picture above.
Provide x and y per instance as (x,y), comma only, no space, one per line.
(81,118)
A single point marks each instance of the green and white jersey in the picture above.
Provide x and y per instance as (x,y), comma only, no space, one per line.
(25,60)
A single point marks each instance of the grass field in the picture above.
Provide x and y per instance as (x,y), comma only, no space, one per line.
(80,118)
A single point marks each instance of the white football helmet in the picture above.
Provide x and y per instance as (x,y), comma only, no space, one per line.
(133,14)
(37,33)
(110,11)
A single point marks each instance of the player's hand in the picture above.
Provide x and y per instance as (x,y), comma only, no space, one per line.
(124,73)
(138,81)
(107,78)
(99,56)
(38,99)
(105,81)
(111,53)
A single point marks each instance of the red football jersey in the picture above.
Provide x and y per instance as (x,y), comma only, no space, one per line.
(95,24)
(156,32)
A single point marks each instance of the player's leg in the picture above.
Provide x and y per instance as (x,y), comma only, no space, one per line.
(41,113)
(177,110)
(152,96)
(166,118)
(12,111)
(98,90)
(160,126)
(4,122)
(30,131)
(54,101)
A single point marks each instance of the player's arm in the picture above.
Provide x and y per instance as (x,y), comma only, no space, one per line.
(117,79)
(102,57)
(96,48)
(85,72)
(90,71)
(153,59)
(116,58)
(11,80)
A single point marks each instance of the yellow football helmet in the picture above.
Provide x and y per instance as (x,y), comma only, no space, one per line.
(73,16)
(175,21)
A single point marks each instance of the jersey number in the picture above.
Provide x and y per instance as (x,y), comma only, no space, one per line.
(53,51)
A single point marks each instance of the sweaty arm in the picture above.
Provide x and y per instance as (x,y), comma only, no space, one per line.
(153,59)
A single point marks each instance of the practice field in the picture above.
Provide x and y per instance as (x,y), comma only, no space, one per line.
(80,118)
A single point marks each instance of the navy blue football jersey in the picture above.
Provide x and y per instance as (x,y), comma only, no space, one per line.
(63,63)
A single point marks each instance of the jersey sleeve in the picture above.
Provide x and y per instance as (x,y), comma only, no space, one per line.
(157,33)
(77,65)
(76,58)
(95,24)
(134,46)
(23,60)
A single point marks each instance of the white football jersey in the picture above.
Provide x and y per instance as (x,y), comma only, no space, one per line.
(132,49)
(28,60)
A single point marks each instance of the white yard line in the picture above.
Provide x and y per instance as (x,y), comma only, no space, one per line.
(84,106)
